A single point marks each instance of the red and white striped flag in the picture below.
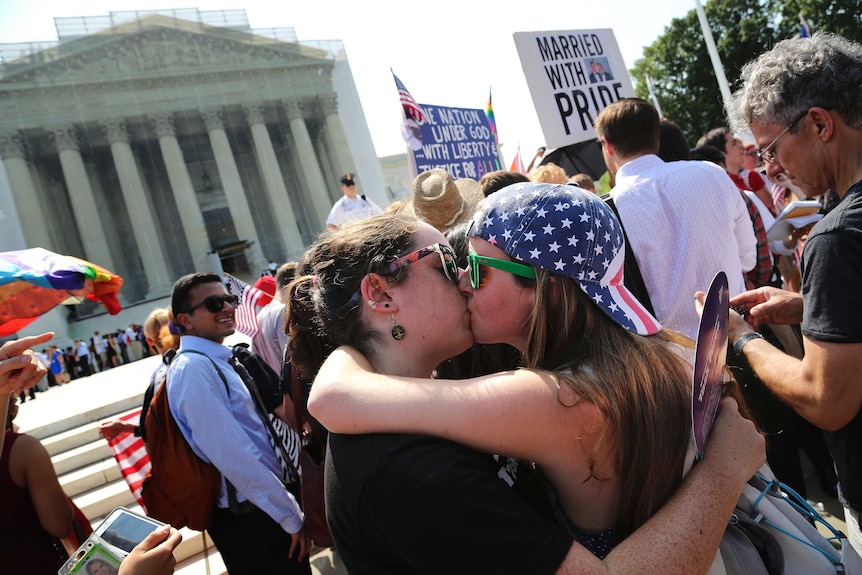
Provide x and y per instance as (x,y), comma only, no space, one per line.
(132,457)
(411,108)
(248,306)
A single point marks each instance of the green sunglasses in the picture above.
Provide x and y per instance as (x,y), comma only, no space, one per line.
(475,260)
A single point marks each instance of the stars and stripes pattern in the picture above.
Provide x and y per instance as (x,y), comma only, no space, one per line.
(245,319)
(570,232)
(411,108)
(131,456)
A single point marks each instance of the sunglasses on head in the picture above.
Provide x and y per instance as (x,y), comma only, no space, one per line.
(447,258)
(215,303)
(474,261)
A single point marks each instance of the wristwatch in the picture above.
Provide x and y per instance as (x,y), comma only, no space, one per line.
(739,344)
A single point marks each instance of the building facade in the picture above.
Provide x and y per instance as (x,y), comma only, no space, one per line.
(161,145)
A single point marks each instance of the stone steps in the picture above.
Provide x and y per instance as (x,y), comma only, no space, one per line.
(66,420)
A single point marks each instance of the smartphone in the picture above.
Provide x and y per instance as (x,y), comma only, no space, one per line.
(110,543)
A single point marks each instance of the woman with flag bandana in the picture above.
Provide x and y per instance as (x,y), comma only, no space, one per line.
(620,438)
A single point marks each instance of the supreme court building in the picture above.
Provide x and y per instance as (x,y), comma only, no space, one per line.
(160,143)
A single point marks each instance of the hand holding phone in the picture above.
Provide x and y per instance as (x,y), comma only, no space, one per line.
(113,540)
(154,555)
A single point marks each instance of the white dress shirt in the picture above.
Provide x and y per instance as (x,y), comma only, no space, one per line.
(686,221)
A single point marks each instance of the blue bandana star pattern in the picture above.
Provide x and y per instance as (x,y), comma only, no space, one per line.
(570,232)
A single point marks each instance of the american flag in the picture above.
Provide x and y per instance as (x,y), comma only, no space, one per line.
(247,308)
(570,232)
(411,108)
(132,457)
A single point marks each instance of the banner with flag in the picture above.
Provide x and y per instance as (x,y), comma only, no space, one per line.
(412,110)
(249,303)
(131,456)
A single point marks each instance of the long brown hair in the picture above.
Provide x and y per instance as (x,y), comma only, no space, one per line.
(640,384)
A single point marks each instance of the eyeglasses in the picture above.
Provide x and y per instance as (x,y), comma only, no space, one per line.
(215,303)
(475,260)
(767,154)
(447,258)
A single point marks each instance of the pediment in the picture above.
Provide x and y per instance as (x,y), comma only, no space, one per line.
(158,46)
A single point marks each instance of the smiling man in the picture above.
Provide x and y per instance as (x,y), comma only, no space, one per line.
(259,528)
(801,102)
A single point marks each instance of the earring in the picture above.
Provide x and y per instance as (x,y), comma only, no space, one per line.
(372,304)
(397,330)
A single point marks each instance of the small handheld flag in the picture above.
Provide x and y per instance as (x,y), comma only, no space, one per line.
(411,108)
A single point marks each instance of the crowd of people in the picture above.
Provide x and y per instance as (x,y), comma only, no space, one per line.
(84,358)
(504,366)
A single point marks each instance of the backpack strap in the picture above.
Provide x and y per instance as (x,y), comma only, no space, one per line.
(232,502)
(249,382)
(632,277)
(215,365)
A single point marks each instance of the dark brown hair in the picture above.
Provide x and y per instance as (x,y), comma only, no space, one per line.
(323,302)
(631,125)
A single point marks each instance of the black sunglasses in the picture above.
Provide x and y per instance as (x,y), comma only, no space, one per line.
(215,303)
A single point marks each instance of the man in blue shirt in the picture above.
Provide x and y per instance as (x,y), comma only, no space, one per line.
(223,427)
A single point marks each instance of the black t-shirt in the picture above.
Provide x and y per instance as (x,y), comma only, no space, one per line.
(418,504)
(831,284)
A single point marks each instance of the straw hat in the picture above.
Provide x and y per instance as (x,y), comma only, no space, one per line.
(443,202)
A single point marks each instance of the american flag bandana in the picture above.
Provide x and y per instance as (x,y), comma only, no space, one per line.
(132,457)
(568,231)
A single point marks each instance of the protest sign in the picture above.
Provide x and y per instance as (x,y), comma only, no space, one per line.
(458,140)
(572,76)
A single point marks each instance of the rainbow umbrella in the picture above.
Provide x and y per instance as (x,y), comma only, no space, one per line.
(34,281)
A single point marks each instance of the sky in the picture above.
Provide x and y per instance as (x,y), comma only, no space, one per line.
(447,52)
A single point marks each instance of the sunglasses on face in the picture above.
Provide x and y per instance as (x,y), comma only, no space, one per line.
(215,303)
(474,261)
(447,258)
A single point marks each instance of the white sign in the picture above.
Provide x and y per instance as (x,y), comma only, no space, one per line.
(572,75)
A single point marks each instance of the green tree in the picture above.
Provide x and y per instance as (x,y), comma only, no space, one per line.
(842,17)
(682,71)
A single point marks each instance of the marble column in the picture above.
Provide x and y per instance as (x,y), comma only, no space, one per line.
(142,217)
(184,192)
(315,187)
(334,138)
(273,181)
(233,188)
(26,197)
(81,196)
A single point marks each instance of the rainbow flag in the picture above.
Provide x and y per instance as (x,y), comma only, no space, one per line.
(489,111)
(34,281)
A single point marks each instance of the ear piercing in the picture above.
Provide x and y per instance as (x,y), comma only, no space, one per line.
(372,304)
(397,332)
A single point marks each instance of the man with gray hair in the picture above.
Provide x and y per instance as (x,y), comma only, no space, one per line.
(802,102)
